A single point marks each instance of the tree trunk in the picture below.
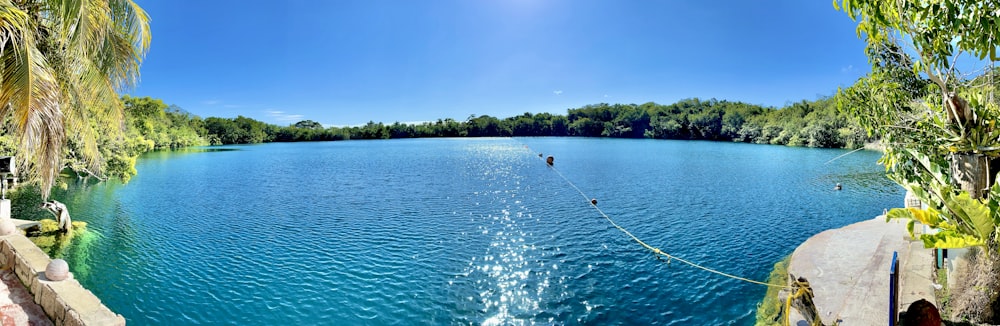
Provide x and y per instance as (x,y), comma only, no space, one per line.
(971,172)
(958,110)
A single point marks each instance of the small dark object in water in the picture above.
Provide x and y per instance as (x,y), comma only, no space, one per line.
(539,154)
(549,159)
(593,201)
(837,187)
(920,313)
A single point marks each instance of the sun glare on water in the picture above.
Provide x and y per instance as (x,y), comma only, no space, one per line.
(513,278)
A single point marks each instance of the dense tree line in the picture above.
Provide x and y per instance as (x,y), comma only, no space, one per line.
(813,124)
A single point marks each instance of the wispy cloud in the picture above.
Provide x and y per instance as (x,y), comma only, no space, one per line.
(221,103)
(282,116)
(606,96)
(419,122)
(416,122)
(848,68)
(557,92)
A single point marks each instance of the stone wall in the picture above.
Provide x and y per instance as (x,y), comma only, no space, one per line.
(66,302)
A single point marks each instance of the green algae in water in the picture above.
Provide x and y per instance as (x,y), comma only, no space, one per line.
(75,243)
(769,309)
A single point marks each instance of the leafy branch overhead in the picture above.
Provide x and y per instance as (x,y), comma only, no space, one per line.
(937,31)
(63,63)
(937,122)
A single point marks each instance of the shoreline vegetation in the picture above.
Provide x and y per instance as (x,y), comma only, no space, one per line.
(150,124)
(806,123)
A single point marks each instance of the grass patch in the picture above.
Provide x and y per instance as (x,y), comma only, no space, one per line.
(769,309)
(942,295)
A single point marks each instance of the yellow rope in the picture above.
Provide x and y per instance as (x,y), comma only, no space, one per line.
(656,251)
(803,290)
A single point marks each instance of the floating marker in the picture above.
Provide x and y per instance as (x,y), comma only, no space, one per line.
(593,201)
(549,159)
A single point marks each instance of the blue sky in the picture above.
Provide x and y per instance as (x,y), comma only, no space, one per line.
(348,62)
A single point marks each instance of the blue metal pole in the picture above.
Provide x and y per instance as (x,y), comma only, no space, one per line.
(893,290)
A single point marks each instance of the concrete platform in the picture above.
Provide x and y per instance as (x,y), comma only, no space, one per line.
(25,224)
(848,269)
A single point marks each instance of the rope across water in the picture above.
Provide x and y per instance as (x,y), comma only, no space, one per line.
(656,251)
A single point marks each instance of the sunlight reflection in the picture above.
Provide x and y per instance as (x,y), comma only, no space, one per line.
(512,286)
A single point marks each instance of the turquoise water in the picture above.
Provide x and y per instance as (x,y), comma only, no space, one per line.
(459,231)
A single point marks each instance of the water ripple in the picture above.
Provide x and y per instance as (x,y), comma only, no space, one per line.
(458,231)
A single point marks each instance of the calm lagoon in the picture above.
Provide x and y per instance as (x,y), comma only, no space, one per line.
(459,231)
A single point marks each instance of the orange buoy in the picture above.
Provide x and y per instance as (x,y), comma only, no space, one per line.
(549,159)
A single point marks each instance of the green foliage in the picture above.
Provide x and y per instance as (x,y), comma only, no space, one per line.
(815,124)
(927,113)
(963,221)
(895,102)
(26,202)
(938,29)
(64,63)
(168,127)
(943,294)
(957,229)
(241,130)
(308,124)
(149,124)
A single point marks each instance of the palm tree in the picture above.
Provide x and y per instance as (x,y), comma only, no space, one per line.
(62,66)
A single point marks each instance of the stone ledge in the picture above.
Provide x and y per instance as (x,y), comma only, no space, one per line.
(65,302)
(848,269)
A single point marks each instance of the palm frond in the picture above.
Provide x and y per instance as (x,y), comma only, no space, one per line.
(29,92)
(126,43)
(13,22)
(62,65)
